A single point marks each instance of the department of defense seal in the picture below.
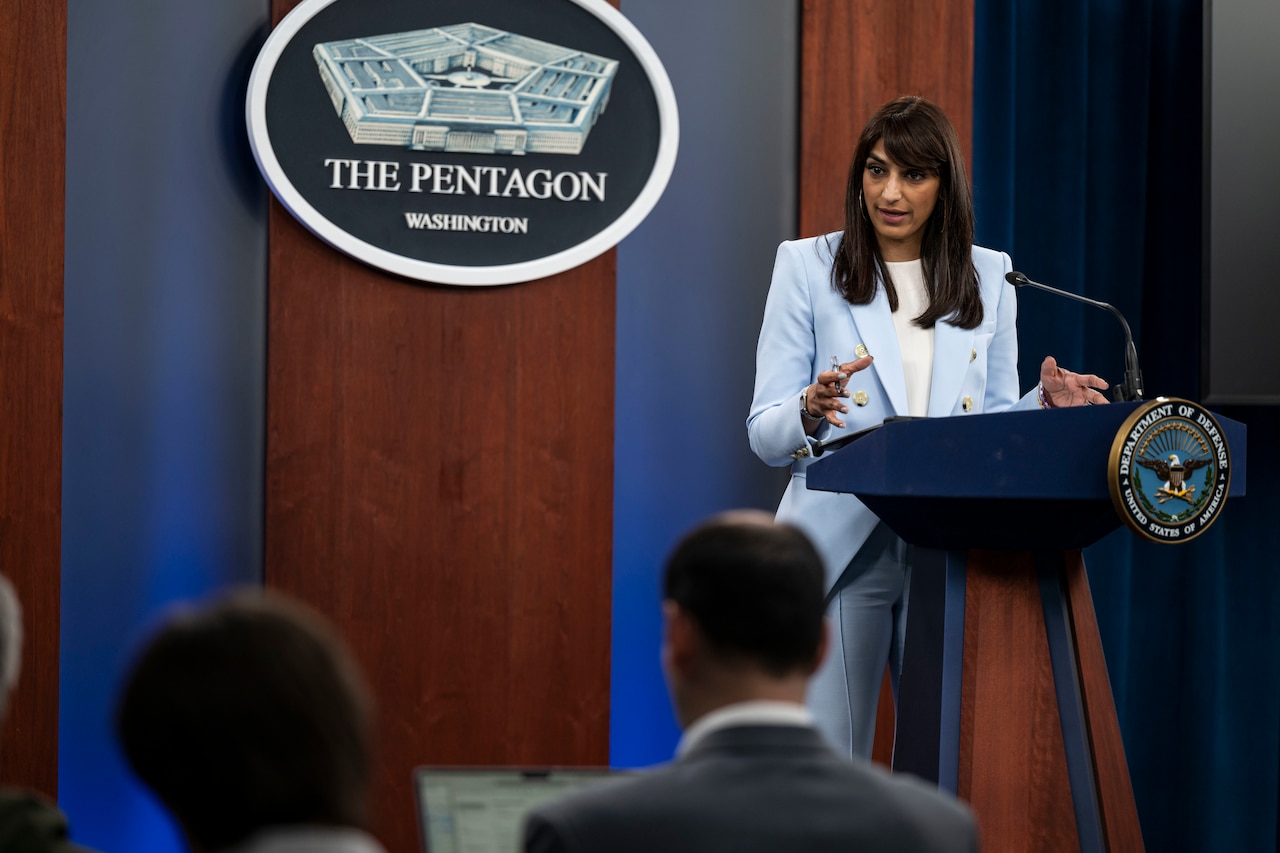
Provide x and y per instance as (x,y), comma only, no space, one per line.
(1169,470)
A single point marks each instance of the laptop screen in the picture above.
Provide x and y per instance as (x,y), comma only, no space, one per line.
(482,809)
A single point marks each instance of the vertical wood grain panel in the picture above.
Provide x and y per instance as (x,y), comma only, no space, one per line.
(440,483)
(1013,763)
(855,56)
(33,38)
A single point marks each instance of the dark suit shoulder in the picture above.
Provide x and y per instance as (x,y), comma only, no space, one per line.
(756,788)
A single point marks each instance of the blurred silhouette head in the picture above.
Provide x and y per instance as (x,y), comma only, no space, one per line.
(248,713)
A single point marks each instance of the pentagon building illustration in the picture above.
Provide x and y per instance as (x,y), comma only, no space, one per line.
(466,87)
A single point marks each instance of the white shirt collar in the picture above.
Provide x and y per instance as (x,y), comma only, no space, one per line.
(310,839)
(754,713)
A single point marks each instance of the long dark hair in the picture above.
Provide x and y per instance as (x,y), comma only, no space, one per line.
(916,135)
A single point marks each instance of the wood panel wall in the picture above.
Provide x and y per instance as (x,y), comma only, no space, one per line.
(440,483)
(33,42)
(855,56)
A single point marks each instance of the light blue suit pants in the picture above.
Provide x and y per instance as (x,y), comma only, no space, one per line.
(867,610)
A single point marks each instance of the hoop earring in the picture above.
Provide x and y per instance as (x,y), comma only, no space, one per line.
(863,207)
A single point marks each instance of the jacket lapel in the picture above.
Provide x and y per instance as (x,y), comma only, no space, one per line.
(952,347)
(874,322)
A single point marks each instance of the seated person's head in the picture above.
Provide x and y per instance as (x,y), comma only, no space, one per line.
(744,613)
(245,714)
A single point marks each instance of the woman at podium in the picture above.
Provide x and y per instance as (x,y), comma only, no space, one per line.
(897,315)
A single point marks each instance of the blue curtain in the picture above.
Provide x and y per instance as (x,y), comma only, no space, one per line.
(1087,169)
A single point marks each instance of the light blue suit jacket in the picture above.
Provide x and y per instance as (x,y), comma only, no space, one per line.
(806,321)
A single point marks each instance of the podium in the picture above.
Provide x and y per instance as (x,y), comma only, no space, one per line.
(1003,698)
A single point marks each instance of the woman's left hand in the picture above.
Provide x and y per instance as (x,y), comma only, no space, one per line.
(1062,388)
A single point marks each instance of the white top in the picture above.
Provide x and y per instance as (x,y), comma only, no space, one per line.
(915,343)
(309,839)
(758,713)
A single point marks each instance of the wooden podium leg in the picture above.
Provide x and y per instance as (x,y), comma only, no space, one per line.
(1004,699)
(1066,679)
(917,748)
(1118,811)
(992,704)
(929,690)
(1013,767)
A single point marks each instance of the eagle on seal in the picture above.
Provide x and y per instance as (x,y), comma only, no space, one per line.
(1174,471)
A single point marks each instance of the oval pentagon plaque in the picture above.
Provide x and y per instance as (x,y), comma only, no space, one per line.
(470,142)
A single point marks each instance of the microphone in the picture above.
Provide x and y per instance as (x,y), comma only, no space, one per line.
(1131,388)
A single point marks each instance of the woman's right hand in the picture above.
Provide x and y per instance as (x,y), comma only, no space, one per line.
(823,398)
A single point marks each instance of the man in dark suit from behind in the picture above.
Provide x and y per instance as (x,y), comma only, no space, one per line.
(743,633)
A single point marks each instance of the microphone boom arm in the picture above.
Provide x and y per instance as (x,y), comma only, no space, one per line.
(1131,388)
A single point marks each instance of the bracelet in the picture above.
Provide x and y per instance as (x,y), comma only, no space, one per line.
(1045,402)
(804,407)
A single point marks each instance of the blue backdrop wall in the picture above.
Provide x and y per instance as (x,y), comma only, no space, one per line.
(692,281)
(165,292)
